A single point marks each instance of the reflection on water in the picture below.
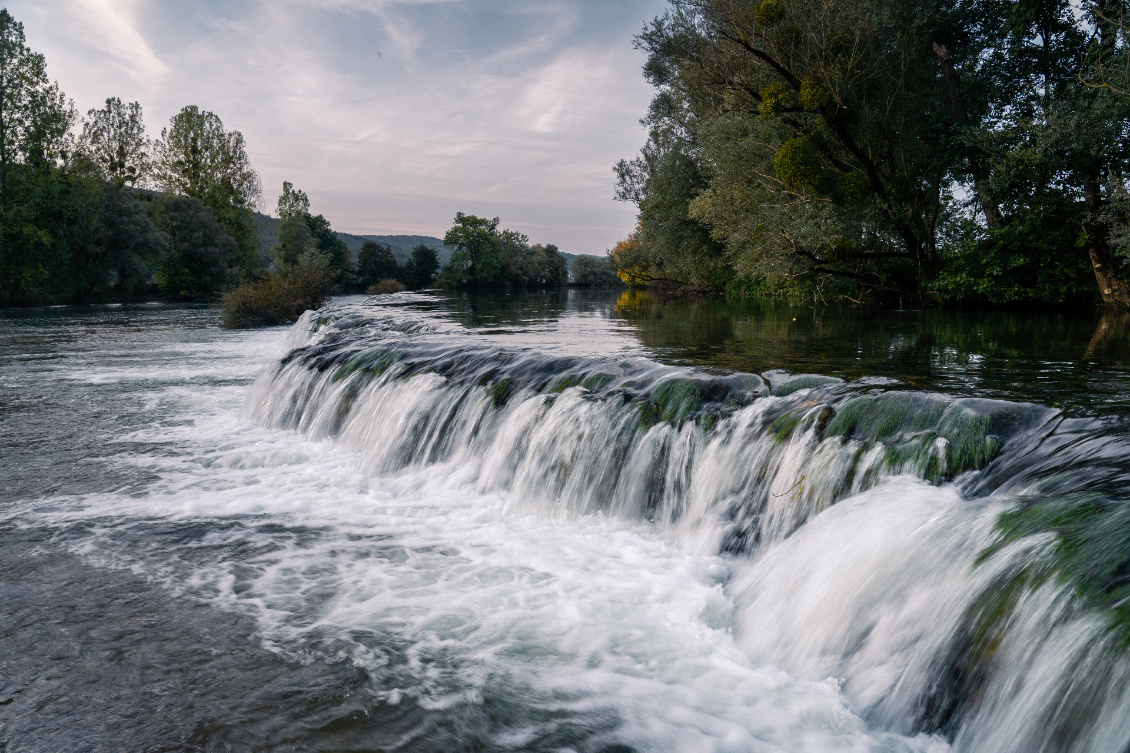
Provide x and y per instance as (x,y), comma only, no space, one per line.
(1078,360)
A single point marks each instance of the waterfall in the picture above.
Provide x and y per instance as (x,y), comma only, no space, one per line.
(870,523)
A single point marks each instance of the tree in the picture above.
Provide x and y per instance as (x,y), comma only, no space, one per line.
(294,240)
(201,259)
(130,245)
(549,269)
(792,137)
(375,262)
(334,248)
(299,230)
(34,115)
(35,118)
(517,265)
(292,201)
(114,139)
(1048,148)
(476,260)
(679,248)
(421,268)
(196,157)
(593,272)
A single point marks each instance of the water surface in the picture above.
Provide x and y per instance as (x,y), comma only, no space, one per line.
(577,521)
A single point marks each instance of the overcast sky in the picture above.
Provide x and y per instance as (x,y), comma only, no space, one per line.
(392,115)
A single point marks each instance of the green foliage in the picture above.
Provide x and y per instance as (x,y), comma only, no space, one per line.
(375,263)
(485,257)
(329,245)
(386,286)
(202,259)
(197,158)
(776,98)
(476,258)
(300,233)
(767,286)
(791,137)
(294,240)
(1022,263)
(129,246)
(292,202)
(677,248)
(769,13)
(114,140)
(593,272)
(846,147)
(421,268)
(280,297)
(72,229)
(544,266)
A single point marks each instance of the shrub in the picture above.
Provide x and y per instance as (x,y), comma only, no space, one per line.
(281,297)
(386,286)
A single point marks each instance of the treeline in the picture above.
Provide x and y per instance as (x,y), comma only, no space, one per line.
(92,209)
(380,272)
(483,256)
(966,150)
(97,211)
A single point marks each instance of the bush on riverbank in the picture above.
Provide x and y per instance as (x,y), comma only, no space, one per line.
(386,286)
(280,297)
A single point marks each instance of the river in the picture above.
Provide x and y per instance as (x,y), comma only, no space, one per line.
(590,522)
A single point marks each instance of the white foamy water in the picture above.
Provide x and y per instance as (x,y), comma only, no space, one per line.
(595,615)
(470,580)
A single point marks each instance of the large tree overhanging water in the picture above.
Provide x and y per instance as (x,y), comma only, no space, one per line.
(962,151)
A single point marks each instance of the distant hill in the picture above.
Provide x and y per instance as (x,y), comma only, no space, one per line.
(401,245)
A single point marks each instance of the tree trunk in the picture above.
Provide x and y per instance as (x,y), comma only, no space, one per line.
(976,158)
(1112,290)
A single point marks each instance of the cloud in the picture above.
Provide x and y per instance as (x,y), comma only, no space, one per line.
(116,35)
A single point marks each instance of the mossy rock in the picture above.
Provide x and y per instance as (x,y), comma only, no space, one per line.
(1087,548)
(676,399)
(910,424)
(783,384)
(372,363)
(593,382)
(501,391)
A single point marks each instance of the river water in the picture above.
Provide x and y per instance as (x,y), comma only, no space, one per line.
(563,522)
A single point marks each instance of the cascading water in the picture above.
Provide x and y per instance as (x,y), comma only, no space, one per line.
(537,523)
(866,519)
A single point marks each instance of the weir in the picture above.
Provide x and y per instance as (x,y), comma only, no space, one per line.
(960,564)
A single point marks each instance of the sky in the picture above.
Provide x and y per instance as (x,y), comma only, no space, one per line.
(391,114)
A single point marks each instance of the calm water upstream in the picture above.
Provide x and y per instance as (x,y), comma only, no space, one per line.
(598,523)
